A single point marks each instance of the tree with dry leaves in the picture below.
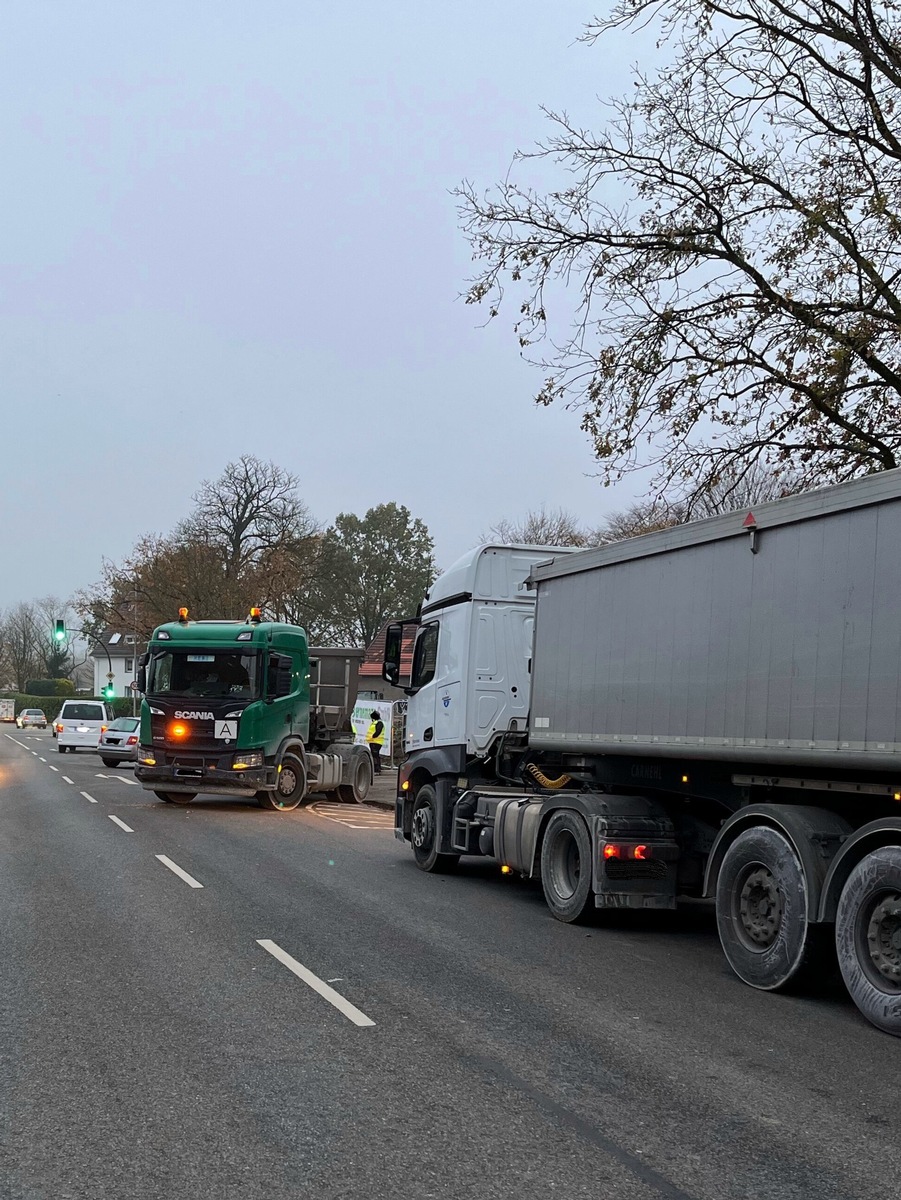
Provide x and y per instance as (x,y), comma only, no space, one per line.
(716,282)
(249,539)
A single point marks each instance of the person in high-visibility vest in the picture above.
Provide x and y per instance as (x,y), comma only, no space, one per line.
(375,739)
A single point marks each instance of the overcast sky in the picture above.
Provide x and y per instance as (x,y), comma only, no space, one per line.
(227,228)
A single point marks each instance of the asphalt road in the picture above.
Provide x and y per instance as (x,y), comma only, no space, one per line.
(161,1039)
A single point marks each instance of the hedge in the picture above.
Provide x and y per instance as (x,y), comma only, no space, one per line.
(49,687)
(50,705)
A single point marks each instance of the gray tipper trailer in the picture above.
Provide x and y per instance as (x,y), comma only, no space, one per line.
(711,710)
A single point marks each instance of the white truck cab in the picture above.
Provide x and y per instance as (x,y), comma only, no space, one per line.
(470,676)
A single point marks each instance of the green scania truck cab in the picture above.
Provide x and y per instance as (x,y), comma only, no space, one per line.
(248,709)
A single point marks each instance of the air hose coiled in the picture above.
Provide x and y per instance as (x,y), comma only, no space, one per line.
(539,776)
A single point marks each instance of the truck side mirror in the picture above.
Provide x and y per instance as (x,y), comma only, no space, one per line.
(141,677)
(391,663)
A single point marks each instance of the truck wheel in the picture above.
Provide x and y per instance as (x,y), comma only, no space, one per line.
(761,911)
(424,834)
(181,798)
(290,790)
(868,937)
(566,868)
(357,790)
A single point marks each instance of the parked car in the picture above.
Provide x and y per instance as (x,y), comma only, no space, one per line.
(119,743)
(80,724)
(33,717)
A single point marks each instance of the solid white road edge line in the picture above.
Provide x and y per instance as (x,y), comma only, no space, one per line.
(67,779)
(87,797)
(121,824)
(189,879)
(318,985)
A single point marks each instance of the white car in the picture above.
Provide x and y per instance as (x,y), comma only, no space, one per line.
(33,717)
(80,724)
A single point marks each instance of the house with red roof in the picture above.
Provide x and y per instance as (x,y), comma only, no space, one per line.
(372,686)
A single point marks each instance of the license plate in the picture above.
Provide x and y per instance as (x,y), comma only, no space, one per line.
(82,729)
(113,741)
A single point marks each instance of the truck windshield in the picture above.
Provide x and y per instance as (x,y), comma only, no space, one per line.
(201,673)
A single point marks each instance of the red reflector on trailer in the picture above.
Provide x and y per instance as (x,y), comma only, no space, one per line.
(611,851)
(641,852)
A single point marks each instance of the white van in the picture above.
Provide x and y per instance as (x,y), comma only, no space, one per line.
(80,724)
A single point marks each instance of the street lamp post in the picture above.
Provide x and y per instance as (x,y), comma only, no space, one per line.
(61,627)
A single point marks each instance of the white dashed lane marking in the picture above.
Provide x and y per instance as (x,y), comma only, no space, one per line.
(87,797)
(121,824)
(318,985)
(176,869)
(353,816)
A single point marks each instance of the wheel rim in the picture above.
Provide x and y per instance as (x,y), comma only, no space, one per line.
(566,864)
(879,941)
(287,781)
(759,907)
(422,828)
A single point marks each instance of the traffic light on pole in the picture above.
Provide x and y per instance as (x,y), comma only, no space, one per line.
(59,630)
(109,692)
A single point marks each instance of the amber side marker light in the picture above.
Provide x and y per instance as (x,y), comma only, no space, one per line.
(505,870)
(405,787)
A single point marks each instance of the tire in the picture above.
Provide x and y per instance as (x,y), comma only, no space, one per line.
(424,834)
(357,790)
(291,789)
(61,749)
(762,912)
(180,798)
(110,762)
(566,868)
(868,937)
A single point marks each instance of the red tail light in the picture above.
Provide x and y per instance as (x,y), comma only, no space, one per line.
(132,741)
(59,729)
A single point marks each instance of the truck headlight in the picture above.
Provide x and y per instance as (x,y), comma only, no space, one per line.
(243,761)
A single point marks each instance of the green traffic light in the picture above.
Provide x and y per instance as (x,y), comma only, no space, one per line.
(59,630)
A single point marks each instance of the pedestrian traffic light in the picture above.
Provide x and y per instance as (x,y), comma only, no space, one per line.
(59,630)
(109,692)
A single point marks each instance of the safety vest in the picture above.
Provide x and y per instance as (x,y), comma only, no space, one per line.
(375,734)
